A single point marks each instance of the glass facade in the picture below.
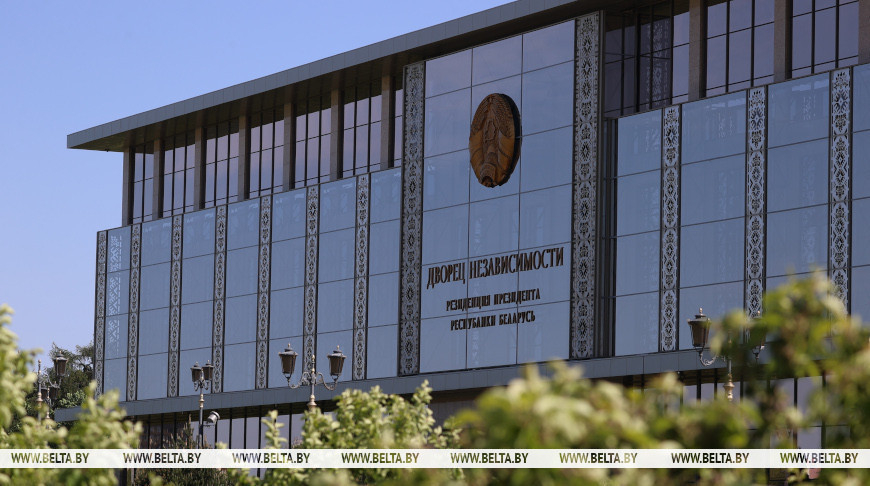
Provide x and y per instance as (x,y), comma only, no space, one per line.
(143,183)
(222,163)
(361,138)
(739,44)
(313,134)
(179,160)
(267,153)
(824,35)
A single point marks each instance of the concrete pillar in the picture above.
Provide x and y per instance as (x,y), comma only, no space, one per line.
(244,152)
(199,165)
(289,144)
(127,188)
(863,31)
(159,162)
(697,49)
(782,40)
(388,120)
(335,142)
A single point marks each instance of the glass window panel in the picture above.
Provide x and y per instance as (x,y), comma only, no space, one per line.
(187,359)
(639,145)
(312,170)
(847,31)
(802,6)
(325,121)
(116,336)
(376,102)
(288,215)
(118,293)
(382,352)
(680,75)
(239,376)
(285,314)
(763,46)
(717,17)
(237,435)
(242,271)
(493,225)
(167,194)
(221,182)
(445,234)
(243,224)
(545,217)
(198,237)
(386,194)
(384,248)
(861,233)
(196,325)
(326,344)
(478,191)
(375,144)
(448,73)
(447,120)
(497,60)
(492,345)
(798,110)
(152,376)
(797,241)
(440,348)
(739,63)
(335,306)
(197,279)
(739,14)
(637,263)
(802,42)
(348,150)
(548,97)
(545,160)
(496,284)
(115,377)
(362,111)
(361,159)
(288,263)
(553,282)
(797,175)
(546,337)
(716,56)
(383,299)
(118,249)
(154,331)
(637,324)
(711,253)
(861,286)
(154,291)
(156,242)
(638,203)
(276,376)
(254,176)
(138,164)
(711,190)
(338,205)
(548,46)
(241,319)
(434,295)
(209,184)
(337,248)
(148,197)
(825,36)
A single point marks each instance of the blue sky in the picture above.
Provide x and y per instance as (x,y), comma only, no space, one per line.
(67,66)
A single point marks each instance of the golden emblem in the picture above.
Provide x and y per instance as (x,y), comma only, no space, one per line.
(494,142)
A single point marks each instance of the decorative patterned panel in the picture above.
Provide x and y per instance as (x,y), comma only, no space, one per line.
(670,231)
(412,220)
(100,311)
(265,266)
(361,282)
(756,162)
(174,307)
(586,123)
(220,269)
(133,317)
(309,330)
(840,180)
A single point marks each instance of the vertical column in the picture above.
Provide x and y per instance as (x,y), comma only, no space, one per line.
(388,120)
(244,153)
(220,269)
(841,181)
(159,163)
(133,316)
(697,49)
(782,11)
(264,276)
(412,221)
(100,311)
(309,330)
(174,307)
(199,167)
(670,230)
(289,145)
(127,188)
(756,199)
(863,31)
(336,142)
(587,70)
(361,279)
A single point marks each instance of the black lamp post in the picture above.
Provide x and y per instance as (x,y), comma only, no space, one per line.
(48,391)
(201,377)
(311,377)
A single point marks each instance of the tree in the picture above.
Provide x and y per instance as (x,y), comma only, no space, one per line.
(100,426)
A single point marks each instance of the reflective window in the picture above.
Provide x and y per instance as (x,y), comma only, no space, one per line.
(711,190)
(384,247)
(154,291)
(491,346)
(861,97)
(440,348)
(639,146)
(798,111)
(152,376)
(861,286)
(198,235)
(554,283)
(545,217)
(243,224)
(714,128)
(548,98)
(288,215)
(546,337)
(548,46)
(637,324)
(118,293)
(638,202)
(447,120)
(338,205)
(545,160)
(646,57)
(335,306)
(222,163)
(241,367)
(115,377)
(824,35)
(179,160)
(399,128)
(711,253)
(116,337)
(361,138)
(445,180)
(337,249)
(496,60)
(196,325)
(386,195)
(241,320)
(860,233)
(197,279)
(153,331)
(445,234)
(267,153)
(493,226)
(637,263)
(313,136)
(156,242)
(383,299)
(739,44)
(448,73)
(288,263)
(142,183)
(797,240)
(242,271)
(285,314)
(118,249)
(382,352)
(861,164)
(797,175)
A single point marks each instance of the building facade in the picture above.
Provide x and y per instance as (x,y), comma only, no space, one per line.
(667,156)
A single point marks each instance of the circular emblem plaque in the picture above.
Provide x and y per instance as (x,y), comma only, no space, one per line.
(494,142)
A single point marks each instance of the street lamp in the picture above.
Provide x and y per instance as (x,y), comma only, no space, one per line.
(47,388)
(700,327)
(202,377)
(311,377)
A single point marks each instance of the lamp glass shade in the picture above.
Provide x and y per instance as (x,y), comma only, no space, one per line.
(700,327)
(60,365)
(208,371)
(195,372)
(336,363)
(288,360)
(53,392)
